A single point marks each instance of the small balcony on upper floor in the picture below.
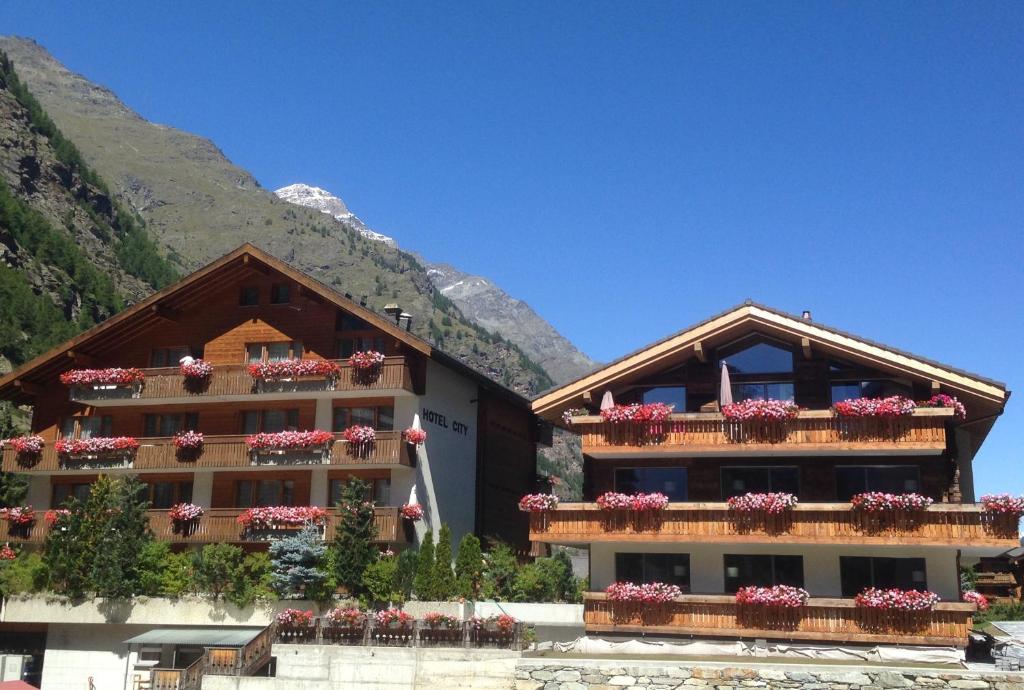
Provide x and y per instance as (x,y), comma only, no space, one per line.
(232,382)
(812,432)
(160,454)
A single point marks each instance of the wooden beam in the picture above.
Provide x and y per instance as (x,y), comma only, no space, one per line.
(82,359)
(249,262)
(698,350)
(805,345)
(588,399)
(28,387)
(162,312)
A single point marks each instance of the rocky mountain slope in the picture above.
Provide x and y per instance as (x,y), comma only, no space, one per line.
(198,206)
(477,297)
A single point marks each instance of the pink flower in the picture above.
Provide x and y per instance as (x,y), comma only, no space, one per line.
(358,435)
(441,620)
(352,618)
(7,553)
(295,618)
(639,502)
(768,410)
(393,618)
(266,517)
(538,503)
(779,595)
(185,512)
(773,503)
(196,369)
(893,406)
(414,436)
(896,599)
(366,360)
(114,376)
(289,440)
(411,511)
(27,445)
(1003,504)
(877,501)
(503,623)
(291,368)
(188,440)
(572,412)
(650,412)
(648,593)
(96,444)
(19,515)
(976,598)
(943,400)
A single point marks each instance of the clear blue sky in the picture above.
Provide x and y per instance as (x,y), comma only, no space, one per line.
(631,168)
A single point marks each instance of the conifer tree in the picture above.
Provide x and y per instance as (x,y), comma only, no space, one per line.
(353,538)
(443,577)
(297,562)
(423,584)
(469,568)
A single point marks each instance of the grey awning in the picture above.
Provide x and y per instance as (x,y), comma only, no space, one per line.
(200,637)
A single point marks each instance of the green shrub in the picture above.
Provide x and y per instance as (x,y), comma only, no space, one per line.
(253,580)
(353,538)
(379,582)
(26,573)
(405,572)
(500,570)
(216,568)
(423,584)
(443,576)
(469,568)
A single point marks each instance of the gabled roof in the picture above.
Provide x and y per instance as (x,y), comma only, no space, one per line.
(190,291)
(751,316)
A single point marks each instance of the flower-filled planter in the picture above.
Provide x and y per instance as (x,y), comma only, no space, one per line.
(20,520)
(196,374)
(284,370)
(943,400)
(361,440)
(1003,504)
(638,502)
(976,598)
(650,412)
(785,596)
(284,442)
(100,448)
(188,445)
(538,503)
(572,412)
(759,421)
(185,517)
(411,511)
(105,379)
(890,408)
(876,509)
(647,593)
(392,627)
(639,425)
(295,625)
(771,503)
(441,629)
(267,518)
(770,608)
(366,366)
(897,599)
(413,436)
(27,449)
(53,516)
(637,512)
(7,553)
(343,626)
(493,631)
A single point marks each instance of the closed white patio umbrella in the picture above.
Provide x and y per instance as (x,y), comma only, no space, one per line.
(607,402)
(725,390)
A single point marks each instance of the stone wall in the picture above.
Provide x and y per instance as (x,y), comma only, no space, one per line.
(532,675)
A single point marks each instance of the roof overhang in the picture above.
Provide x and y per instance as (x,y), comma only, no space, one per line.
(200,637)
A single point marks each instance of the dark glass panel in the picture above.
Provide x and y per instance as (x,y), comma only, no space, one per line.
(670,481)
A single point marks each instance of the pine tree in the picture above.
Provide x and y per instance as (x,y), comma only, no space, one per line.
(298,564)
(216,567)
(353,538)
(443,577)
(469,568)
(423,584)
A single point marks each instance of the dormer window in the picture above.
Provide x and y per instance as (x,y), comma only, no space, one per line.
(249,296)
(273,352)
(759,368)
(280,293)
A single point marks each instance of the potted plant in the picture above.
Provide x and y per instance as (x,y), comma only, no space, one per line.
(188,445)
(344,625)
(20,520)
(282,443)
(366,366)
(27,449)
(290,369)
(184,517)
(493,631)
(113,378)
(393,627)
(440,628)
(295,625)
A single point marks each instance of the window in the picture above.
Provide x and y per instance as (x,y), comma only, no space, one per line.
(380,491)
(273,352)
(670,481)
(856,479)
(348,322)
(62,492)
(249,296)
(737,481)
(251,493)
(280,293)
(849,390)
(86,427)
(671,568)
(163,495)
(743,570)
(168,356)
(860,572)
(759,358)
(670,395)
(269,421)
(381,417)
(346,346)
(778,390)
(170,424)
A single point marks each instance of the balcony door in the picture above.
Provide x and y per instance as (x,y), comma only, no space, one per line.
(737,481)
(671,481)
(638,568)
(860,572)
(896,479)
(758,570)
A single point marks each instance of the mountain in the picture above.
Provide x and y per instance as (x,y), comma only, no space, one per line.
(477,297)
(197,206)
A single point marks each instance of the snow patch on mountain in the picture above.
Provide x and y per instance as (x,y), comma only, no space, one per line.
(325,202)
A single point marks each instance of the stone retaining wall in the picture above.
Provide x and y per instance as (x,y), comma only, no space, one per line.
(569,676)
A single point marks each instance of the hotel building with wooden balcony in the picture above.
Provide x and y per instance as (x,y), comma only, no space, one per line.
(700,459)
(249,307)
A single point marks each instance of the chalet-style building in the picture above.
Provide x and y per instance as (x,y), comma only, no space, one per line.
(700,458)
(248,308)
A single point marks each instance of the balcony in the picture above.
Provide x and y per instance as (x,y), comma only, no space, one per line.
(218,452)
(813,432)
(942,524)
(232,382)
(216,526)
(832,620)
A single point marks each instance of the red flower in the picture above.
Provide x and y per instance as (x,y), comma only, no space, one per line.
(893,406)
(538,503)
(648,593)
(196,369)
(27,445)
(896,599)
(877,501)
(113,376)
(414,436)
(943,400)
(650,412)
(289,440)
(358,435)
(976,598)
(768,410)
(295,618)
(411,511)
(772,503)
(366,360)
(639,502)
(96,444)
(290,368)
(266,517)
(779,595)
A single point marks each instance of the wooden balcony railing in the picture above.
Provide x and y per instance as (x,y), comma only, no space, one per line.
(812,431)
(217,452)
(233,380)
(808,523)
(217,661)
(189,678)
(833,620)
(216,526)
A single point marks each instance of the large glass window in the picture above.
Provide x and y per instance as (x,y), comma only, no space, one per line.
(170,424)
(269,421)
(744,570)
(251,493)
(273,352)
(346,346)
(671,568)
(777,390)
(670,481)
(381,417)
(856,479)
(860,572)
(759,358)
(168,356)
(62,492)
(670,395)
(86,427)
(850,390)
(163,495)
(379,491)
(737,481)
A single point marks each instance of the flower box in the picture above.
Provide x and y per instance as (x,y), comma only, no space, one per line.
(771,503)
(289,440)
(638,502)
(572,412)
(127,380)
(1003,504)
(366,367)
(102,449)
(188,445)
(294,625)
(896,599)
(294,368)
(650,412)
(647,593)
(441,629)
(281,517)
(20,520)
(392,627)
(343,626)
(416,437)
(27,445)
(976,598)
(889,408)
(411,511)
(877,502)
(185,517)
(493,631)
(196,370)
(943,400)
(777,596)
(360,435)
(538,503)
(769,410)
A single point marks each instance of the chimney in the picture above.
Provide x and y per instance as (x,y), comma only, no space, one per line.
(407,317)
(394,310)
(362,301)
(806,316)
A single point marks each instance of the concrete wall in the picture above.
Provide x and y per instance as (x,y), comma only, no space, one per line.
(75,653)
(821,564)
